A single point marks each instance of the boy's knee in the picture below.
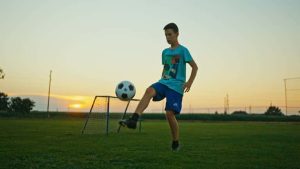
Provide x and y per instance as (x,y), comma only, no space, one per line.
(150,92)
(170,114)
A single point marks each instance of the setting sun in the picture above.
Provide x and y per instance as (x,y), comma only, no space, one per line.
(76,106)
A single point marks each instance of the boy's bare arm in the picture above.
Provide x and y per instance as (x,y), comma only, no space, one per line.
(189,83)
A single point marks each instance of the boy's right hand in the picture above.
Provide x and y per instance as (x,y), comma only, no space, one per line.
(187,86)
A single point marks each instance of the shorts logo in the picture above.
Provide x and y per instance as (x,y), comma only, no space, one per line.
(175,105)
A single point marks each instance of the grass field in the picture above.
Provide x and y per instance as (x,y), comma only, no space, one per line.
(58,143)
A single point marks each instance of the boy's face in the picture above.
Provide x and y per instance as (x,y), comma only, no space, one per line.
(171,36)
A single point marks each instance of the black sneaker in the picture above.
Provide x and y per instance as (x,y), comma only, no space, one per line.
(175,146)
(130,123)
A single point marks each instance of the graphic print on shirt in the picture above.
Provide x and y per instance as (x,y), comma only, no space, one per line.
(170,66)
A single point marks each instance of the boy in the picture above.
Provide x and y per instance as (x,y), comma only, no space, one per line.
(171,86)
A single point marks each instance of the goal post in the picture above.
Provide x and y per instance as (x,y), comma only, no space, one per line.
(103,109)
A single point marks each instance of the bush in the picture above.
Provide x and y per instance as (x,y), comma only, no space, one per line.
(240,112)
(273,110)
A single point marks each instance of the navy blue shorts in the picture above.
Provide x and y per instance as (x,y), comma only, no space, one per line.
(174,99)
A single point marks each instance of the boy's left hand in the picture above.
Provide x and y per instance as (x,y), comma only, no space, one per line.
(187,87)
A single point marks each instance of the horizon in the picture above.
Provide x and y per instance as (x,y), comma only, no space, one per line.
(83,104)
(243,48)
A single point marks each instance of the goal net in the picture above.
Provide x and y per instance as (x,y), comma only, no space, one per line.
(105,113)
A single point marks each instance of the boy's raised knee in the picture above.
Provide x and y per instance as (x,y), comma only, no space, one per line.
(150,92)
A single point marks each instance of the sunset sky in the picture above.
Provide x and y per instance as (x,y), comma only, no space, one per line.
(243,48)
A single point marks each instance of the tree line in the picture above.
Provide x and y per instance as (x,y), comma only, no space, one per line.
(15,104)
(272,110)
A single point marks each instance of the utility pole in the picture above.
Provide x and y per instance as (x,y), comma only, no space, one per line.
(285,91)
(49,93)
(226,104)
(250,109)
(225,108)
(285,96)
(190,109)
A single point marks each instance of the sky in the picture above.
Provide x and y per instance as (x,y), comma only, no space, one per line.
(242,48)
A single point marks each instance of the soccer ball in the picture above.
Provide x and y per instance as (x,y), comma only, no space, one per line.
(125,90)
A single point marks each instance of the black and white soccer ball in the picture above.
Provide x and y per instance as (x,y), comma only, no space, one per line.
(125,90)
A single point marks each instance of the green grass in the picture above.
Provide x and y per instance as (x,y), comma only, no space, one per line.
(58,143)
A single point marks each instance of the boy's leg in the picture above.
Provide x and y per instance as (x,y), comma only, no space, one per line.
(174,129)
(143,104)
(173,106)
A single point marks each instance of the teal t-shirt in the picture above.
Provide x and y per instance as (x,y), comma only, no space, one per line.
(174,73)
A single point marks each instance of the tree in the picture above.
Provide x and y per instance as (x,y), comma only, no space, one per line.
(27,105)
(1,74)
(15,104)
(3,102)
(20,105)
(273,110)
(240,112)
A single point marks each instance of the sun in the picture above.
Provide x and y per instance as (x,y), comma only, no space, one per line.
(76,106)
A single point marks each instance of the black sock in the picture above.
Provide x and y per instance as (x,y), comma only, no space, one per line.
(135,116)
(175,144)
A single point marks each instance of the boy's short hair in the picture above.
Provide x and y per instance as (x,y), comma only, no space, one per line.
(172,26)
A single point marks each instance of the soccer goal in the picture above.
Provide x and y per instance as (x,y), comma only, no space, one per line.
(105,113)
